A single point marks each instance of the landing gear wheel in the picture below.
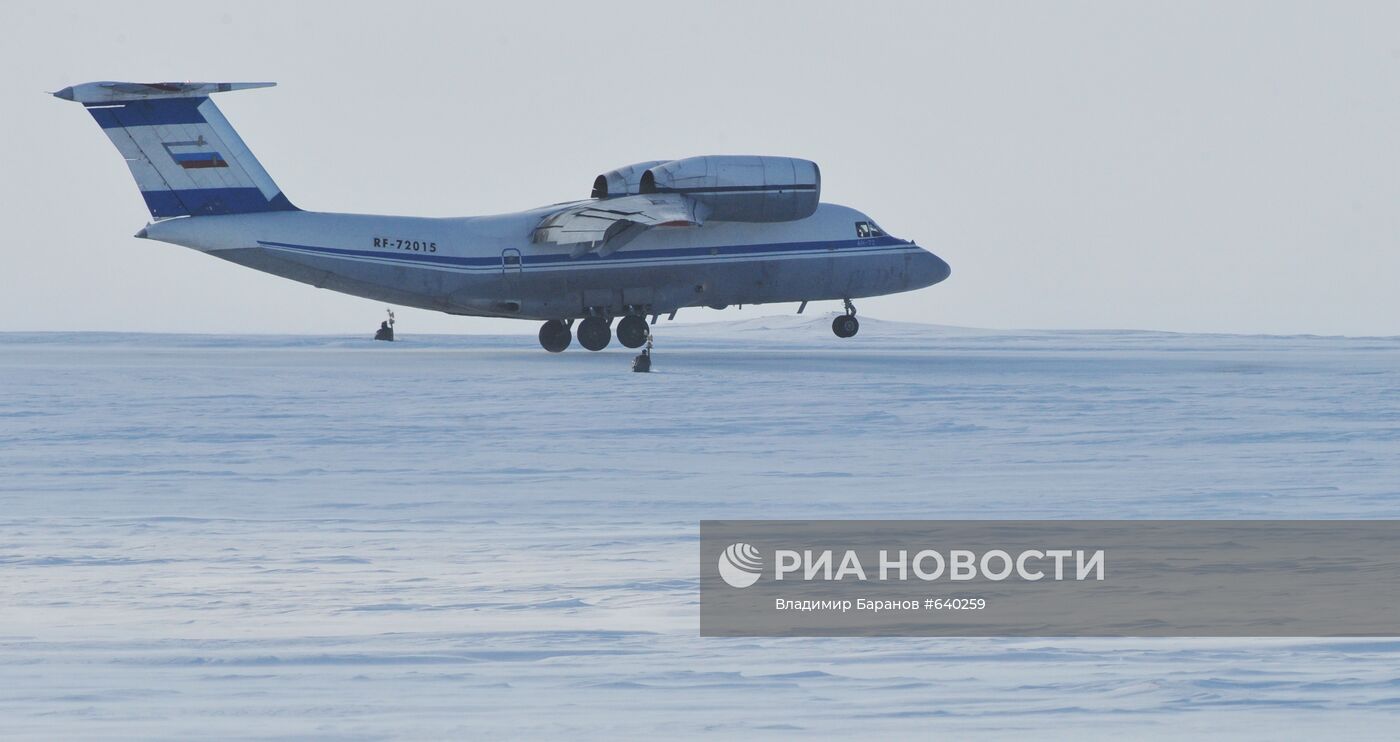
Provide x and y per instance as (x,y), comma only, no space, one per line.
(555,336)
(594,333)
(632,331)
(845,326)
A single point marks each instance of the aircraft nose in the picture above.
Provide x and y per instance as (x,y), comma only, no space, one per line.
(928,269)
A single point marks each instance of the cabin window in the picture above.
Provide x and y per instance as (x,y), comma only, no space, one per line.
(865,230)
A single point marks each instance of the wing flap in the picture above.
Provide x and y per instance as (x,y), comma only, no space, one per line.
(611,221)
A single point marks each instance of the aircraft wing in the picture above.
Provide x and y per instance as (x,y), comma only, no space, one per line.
(607,224)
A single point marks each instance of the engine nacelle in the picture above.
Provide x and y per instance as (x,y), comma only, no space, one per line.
(624,181)
(740,188)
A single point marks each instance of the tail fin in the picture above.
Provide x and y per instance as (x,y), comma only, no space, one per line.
(185,157)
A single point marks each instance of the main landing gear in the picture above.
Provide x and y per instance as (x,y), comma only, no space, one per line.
(594,333)
(846,325)
(555,336)
(632,331)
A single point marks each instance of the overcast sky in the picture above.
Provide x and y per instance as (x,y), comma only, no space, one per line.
(1208,166)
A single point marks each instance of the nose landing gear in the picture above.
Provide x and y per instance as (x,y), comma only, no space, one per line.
(846,325)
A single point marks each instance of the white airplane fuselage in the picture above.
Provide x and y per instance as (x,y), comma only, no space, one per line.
(488,266)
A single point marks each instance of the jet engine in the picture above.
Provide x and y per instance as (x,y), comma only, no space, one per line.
(740,188)
(624,181)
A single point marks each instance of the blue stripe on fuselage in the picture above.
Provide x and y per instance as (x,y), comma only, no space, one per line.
(563,259)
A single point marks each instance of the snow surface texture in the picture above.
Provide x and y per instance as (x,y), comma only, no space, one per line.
(449,536)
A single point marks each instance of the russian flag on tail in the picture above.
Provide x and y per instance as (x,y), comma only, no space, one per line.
(194,160)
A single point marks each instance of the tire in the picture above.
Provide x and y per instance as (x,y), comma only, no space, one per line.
(632,331)
(594,333)
(555,336)
(845,326)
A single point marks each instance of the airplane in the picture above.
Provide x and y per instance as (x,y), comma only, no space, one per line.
(653,238)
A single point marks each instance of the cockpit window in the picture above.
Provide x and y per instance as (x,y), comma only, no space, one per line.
(868,229)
